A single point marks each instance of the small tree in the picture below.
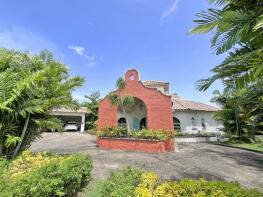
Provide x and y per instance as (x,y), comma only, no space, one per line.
(93,108)
(120,100)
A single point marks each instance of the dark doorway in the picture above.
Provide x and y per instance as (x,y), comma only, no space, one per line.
(122,122)
(143,123)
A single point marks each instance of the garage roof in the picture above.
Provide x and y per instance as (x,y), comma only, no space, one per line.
(63,109)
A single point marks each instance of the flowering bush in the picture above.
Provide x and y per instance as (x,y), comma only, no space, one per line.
(44,174)
(142,134)
(198,188)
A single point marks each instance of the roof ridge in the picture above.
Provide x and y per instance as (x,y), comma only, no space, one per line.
(180,103)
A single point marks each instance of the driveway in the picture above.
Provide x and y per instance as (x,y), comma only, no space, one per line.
(193,160)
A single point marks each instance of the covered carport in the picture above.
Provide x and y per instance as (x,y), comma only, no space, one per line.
(69,115)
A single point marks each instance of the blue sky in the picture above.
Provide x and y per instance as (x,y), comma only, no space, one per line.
(99,40)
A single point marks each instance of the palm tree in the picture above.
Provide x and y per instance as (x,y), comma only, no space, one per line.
(120,100)
(241,110)
(30,86)
(236,27)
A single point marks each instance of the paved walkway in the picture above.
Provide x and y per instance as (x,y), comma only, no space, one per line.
(192,161)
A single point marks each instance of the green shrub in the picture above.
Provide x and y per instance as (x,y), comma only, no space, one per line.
(43,175)
(190,187)
(113,132)
(120,132)
(149,134)
(121,183)
(202,134)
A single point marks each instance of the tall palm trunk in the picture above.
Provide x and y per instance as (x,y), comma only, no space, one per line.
(125,115)
(22,137)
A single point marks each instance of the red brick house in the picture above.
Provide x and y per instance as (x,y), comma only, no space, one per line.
(153,108)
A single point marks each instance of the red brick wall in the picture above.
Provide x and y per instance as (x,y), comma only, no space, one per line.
(159,106)
(108,114)
(132,145)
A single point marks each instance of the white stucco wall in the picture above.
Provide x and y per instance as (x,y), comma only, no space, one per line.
(185,118)
(138,112)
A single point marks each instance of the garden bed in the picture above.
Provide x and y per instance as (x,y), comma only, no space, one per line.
(144,140)
(133,144)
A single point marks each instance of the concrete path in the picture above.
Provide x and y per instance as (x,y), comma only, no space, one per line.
(193,160)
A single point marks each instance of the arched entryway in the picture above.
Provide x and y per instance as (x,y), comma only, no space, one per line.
(121,122)
(177,124)
(143,123)
(135,114)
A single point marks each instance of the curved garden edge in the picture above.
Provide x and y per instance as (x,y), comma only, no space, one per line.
(235,147)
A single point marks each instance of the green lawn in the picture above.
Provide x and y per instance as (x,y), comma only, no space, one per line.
(252,146)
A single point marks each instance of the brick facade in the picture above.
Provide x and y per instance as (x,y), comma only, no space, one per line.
(158,105)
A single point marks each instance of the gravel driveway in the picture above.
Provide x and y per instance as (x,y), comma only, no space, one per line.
(193,160)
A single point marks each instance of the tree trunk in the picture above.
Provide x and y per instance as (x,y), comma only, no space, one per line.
(237,123)
(125,115)
(22,137)
(1,145)
(126,118)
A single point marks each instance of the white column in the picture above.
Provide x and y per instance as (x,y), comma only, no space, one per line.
(82,126)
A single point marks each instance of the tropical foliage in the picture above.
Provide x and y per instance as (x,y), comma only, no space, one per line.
(30,86)
(241,110)
(92,106)
(237,28)
(44,174)
(120,100)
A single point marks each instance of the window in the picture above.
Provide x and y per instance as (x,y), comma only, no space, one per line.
(143,123)
(193,124)
(204,124)
(132,77)
(122,122)
(177,126)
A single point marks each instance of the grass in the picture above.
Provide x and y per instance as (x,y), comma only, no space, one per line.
(252,146)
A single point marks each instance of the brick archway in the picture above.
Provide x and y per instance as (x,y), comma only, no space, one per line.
(159,105)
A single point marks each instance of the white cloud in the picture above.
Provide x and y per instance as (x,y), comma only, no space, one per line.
(168,11)
(19,38)
(80,51)
(77,49)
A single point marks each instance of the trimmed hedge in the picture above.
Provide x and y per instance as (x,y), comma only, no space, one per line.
(149,187)
(202,134)
(45,175)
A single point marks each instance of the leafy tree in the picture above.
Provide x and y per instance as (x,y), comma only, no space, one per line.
(93,108)
(30,87)
(237,28)
(241,110)
(121,100)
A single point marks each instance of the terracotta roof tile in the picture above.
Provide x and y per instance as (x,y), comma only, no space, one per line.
(63,109)
(185,105)
(153,84)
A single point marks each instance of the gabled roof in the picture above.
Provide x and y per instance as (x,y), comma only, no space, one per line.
(153,84)
(186,105)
